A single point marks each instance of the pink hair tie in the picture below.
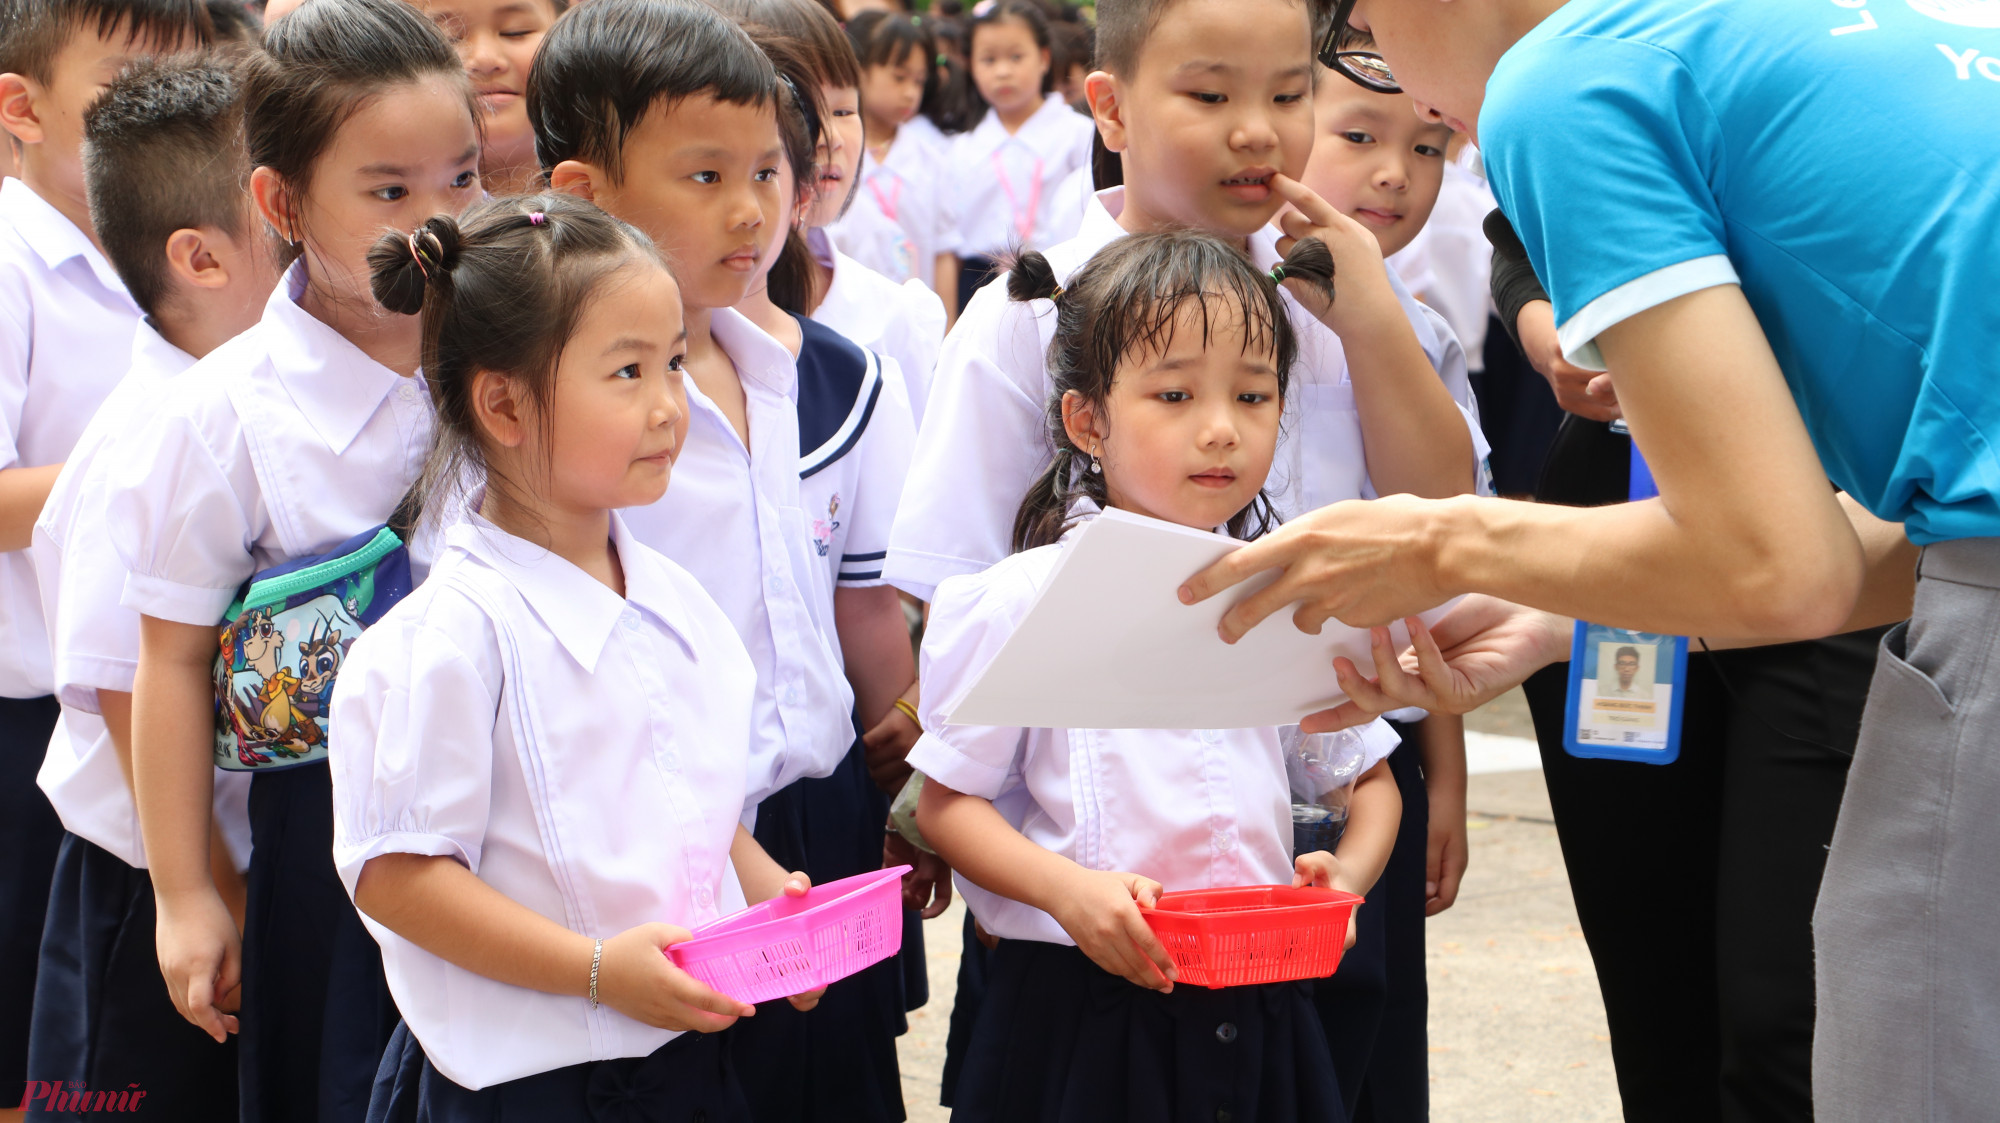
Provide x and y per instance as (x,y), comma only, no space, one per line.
(537,218)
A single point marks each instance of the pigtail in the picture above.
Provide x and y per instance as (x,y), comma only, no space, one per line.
(1311,262)
(403,268)
(1032,278)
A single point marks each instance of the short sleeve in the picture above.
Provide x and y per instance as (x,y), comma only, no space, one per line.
(411,742)
(96,638)
(1608,160)
(970,620)
(14,337)
(982,442)
(885,461)
(180,522)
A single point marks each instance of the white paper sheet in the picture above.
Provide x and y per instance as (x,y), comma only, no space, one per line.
(1109,645)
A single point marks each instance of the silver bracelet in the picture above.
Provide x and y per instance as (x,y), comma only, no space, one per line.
(596,957)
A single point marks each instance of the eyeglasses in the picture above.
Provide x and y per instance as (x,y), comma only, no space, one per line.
(1366,69)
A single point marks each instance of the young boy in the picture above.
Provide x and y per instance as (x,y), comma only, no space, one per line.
(664,114)
(1368,414)
(66,328)
(167,179)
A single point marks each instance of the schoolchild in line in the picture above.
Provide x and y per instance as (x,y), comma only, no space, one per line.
(168,183)
(497,41)
(903,321)
(289,441)
(666,116)
(902,223)
(1377,161)
(855,435)
(1170,364)
(1008,167)
(525,882)
(67,339)
(1369,413)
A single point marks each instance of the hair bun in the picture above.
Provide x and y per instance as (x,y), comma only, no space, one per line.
(1310,261)
(403,267)
(1032,278)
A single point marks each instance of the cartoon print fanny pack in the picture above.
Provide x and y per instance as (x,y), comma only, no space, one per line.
(283,642)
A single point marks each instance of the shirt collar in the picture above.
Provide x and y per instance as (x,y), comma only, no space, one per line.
(579,610)
(53,237)
(337,386)
(152,353)
(758,357)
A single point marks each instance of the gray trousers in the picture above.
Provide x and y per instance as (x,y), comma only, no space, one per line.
(1907,929)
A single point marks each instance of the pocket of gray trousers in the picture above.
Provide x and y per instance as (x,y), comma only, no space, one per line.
(1921,691)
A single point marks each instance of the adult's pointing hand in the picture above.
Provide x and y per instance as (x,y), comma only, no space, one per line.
(1363,562)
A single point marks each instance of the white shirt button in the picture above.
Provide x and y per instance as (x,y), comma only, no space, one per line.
(670,761)
(1224,841)
(407,392)
(629,619)
(1210,736)
(704,896)
(791,696)
(776,584)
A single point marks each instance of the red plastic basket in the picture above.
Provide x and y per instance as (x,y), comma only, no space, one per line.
(790,945)
(1255,934)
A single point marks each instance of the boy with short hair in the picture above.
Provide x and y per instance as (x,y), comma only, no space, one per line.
(167,178)
(66,328)
(685,145)
(1219,147)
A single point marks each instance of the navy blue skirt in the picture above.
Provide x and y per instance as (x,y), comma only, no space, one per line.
(316,1008)
(1061,1040)
(837,1062)
(688,1080)
(30,834)
(103,1020)
(1375,1009)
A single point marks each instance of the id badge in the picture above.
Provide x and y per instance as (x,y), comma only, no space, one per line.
(1626,688)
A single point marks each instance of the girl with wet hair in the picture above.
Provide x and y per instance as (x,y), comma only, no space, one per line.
(1171,359)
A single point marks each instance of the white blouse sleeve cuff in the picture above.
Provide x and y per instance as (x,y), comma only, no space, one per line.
(349,857)
(80,677)
(166,600)
(936,758)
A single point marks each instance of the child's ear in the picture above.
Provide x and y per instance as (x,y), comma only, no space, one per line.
(17,108)
(274,203)
(574,177)
(1107,106)
(498,409)
(1083,422)
(193,260)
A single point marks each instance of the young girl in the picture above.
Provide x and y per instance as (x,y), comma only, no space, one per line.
(497,41)
(901,223)
(520,877)
(855,435)
(1008,168)
(1170,364)
(906,321)
(296,436)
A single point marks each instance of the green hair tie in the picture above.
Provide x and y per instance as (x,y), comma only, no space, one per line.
(1278,273)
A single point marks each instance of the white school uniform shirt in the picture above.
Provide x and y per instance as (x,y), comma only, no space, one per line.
(94,639)
(901,218)
(580,752)
(903,322)
(854,453)
(1189,808)
(1073,198)
(66,327)
(983,440)
(280,444)
(1006,185)
(733,517)
(1450,261)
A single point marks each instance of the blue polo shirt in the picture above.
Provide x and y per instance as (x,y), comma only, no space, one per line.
(1840,159)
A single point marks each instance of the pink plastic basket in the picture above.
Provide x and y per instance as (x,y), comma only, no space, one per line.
(1255,934)
(790,945)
